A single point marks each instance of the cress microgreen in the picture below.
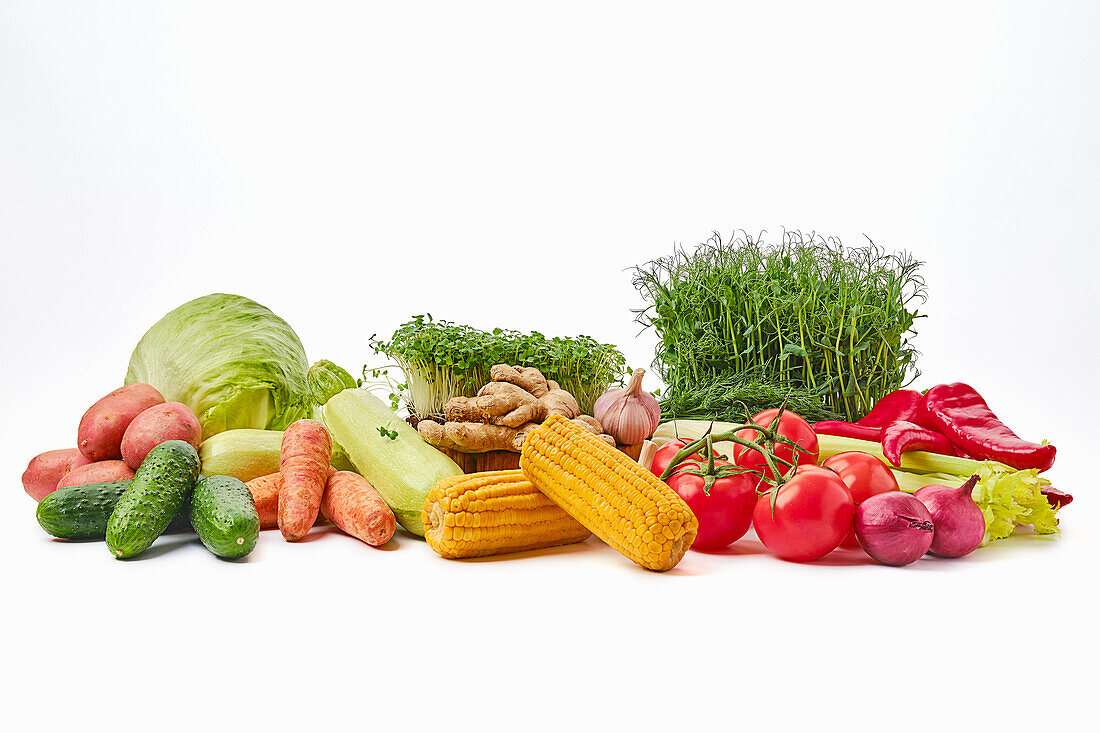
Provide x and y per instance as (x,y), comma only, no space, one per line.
(442,360)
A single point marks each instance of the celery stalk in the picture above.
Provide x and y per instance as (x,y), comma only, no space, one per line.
(917,461)
(912,482)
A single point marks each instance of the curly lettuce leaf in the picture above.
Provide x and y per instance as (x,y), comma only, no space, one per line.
(1010,499)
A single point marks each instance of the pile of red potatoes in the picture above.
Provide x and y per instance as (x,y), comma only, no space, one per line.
(113,438)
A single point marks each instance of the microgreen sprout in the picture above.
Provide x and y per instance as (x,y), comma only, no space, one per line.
(442,360)
(818,320)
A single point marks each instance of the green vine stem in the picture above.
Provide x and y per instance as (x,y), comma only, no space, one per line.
(711,472)
(767,439)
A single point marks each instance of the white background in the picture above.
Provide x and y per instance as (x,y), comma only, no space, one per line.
(350,165)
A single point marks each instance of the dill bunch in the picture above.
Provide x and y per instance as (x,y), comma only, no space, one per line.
(737,397)
(805,312)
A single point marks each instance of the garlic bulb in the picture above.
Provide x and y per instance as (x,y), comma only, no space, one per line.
(628,414)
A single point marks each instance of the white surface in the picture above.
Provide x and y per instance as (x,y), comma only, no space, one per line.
(350,167)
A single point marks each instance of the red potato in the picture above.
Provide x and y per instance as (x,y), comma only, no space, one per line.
(167,421)
(353,505)
(99,436)
(304,463)
(97,473)
(47,469)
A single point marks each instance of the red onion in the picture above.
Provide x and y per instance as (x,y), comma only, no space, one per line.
(960,524)
(893,528)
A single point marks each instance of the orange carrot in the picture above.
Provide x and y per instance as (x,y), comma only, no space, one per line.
(353,505)
(303,462)
(265,492)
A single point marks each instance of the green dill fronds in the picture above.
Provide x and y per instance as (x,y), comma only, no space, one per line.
(737,397)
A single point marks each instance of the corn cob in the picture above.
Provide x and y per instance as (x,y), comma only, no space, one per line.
(625,505)
(492,513)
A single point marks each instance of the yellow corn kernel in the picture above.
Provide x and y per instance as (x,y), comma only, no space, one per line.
(621,502)
(493,513)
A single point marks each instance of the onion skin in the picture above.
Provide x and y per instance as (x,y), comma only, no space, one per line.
(960,524)
(894,528)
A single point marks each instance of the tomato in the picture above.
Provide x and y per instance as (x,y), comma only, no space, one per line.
(668,451)
(864,475)
(665,454)
(813,513)
(725,513)
(791,426)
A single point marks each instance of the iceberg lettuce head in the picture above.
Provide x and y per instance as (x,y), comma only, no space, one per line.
(230,359)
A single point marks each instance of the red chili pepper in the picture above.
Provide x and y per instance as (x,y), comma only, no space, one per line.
(960,413)
(848,430)
(904,436)
(902,404)
(1056,497)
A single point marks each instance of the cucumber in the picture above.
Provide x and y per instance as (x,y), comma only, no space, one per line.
(223,514)
(162,484)
(81,512)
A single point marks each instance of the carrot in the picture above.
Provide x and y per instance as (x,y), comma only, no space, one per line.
(353,505)
(303,461)
(265,492)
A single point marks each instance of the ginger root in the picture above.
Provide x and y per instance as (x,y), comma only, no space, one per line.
(472,437)
(527,378)
(560,402)
(593,426)
(497,403)
(503,412)
(589,423)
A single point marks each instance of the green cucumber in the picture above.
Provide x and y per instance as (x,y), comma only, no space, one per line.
(160,487)
(81,512)
(223,514)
